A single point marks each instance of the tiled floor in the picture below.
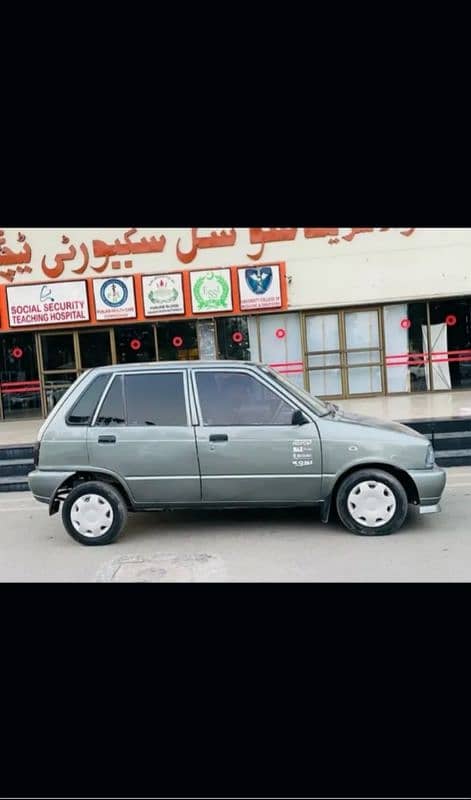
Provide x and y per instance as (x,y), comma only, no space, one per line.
(407,407)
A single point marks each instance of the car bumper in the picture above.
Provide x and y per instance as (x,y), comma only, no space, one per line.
(44,484)
(430,487)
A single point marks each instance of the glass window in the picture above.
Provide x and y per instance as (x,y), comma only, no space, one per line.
(280,340)
(156,399)
(450,343)
(95,349)
(56,385)
(178,341)
(135,344)
(405,334)
(112,410)
(19,381)
(84,409)
(232,398)
(234,339)
(58,351)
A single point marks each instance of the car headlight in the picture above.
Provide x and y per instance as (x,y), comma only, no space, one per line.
(430,457)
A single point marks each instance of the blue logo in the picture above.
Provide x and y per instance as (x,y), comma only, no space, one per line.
(259,279)
(114,293)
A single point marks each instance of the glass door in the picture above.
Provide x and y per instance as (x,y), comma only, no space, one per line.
(64,355)
(363,352)
(344,353)
(58,358)
(324,355)
(20,394)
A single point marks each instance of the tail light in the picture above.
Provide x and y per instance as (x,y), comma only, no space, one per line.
(36,454)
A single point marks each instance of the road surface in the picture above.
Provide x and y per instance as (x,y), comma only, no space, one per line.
(239,546)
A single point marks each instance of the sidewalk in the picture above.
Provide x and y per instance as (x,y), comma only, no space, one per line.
(403,408)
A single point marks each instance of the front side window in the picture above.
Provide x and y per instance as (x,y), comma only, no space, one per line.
(85,407)
(156,400)
(234,398)
(112,411)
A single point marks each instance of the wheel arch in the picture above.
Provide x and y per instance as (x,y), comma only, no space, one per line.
(402,476)
(84,476)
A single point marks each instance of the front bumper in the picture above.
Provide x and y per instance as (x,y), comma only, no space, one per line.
(430,487)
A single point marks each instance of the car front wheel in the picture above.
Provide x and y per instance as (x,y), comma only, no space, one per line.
(94,513)
(371,502)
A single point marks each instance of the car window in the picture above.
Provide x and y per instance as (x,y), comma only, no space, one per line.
(234,398)
(83,410)
(112,411)
(156,400)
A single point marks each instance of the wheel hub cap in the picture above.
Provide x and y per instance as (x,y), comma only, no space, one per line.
(92,516)
(372,504)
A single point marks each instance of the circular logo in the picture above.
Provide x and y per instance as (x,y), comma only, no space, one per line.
(406,323)
(450,320)
(114,293)
(135,344)
(177,341)
(17,352)
(237,337)
(281,333)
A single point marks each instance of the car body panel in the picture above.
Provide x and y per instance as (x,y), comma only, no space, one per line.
(245,465)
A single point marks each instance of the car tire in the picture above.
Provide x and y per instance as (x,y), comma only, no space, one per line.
(371,502)
(94,513)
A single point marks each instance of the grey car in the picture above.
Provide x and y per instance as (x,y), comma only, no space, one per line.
(222,435)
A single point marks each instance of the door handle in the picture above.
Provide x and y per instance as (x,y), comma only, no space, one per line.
(219,437)
(107,440)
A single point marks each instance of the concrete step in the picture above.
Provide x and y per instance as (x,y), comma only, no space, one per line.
(11,483)
(16,466)
(16,451)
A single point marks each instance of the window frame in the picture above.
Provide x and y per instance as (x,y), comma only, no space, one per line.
(98,404)
(123,373)
(248,373)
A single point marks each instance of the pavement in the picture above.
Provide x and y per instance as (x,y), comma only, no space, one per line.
(282,546)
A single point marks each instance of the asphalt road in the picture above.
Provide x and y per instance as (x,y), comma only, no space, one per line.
(241,546)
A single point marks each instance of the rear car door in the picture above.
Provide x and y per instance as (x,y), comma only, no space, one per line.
(142,432)
(249,450)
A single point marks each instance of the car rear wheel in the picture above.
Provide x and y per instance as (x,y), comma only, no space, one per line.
(372,503)
(94,514)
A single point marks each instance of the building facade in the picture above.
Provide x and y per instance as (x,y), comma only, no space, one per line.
(343,312)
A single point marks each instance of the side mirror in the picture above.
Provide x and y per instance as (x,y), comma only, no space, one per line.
(299,418)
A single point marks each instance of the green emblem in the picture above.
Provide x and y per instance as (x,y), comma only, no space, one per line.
(211,292)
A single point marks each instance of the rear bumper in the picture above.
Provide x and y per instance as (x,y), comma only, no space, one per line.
(44,484)
(430,487)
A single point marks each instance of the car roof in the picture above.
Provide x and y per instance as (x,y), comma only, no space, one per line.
(163,365)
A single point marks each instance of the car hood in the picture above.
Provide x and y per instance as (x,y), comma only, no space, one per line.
(376,422)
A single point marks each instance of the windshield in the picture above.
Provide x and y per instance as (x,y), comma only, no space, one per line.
(318,405)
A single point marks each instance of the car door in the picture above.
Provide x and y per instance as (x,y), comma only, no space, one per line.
(249,450)
(142,431)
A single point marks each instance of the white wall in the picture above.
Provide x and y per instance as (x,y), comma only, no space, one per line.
(374,267)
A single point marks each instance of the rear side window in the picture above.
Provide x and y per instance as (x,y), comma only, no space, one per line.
(156,399)
(112,410)
(83,410)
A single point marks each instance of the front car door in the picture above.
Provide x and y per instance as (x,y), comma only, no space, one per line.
(142,431)
(249,450)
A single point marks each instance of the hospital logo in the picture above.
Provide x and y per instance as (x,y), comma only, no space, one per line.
(259,279)
(163,290)
(114,293)
(46,294)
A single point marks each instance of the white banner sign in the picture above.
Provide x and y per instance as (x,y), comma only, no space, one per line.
(48,304)
(114,298)
(260,287)
(163,295)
